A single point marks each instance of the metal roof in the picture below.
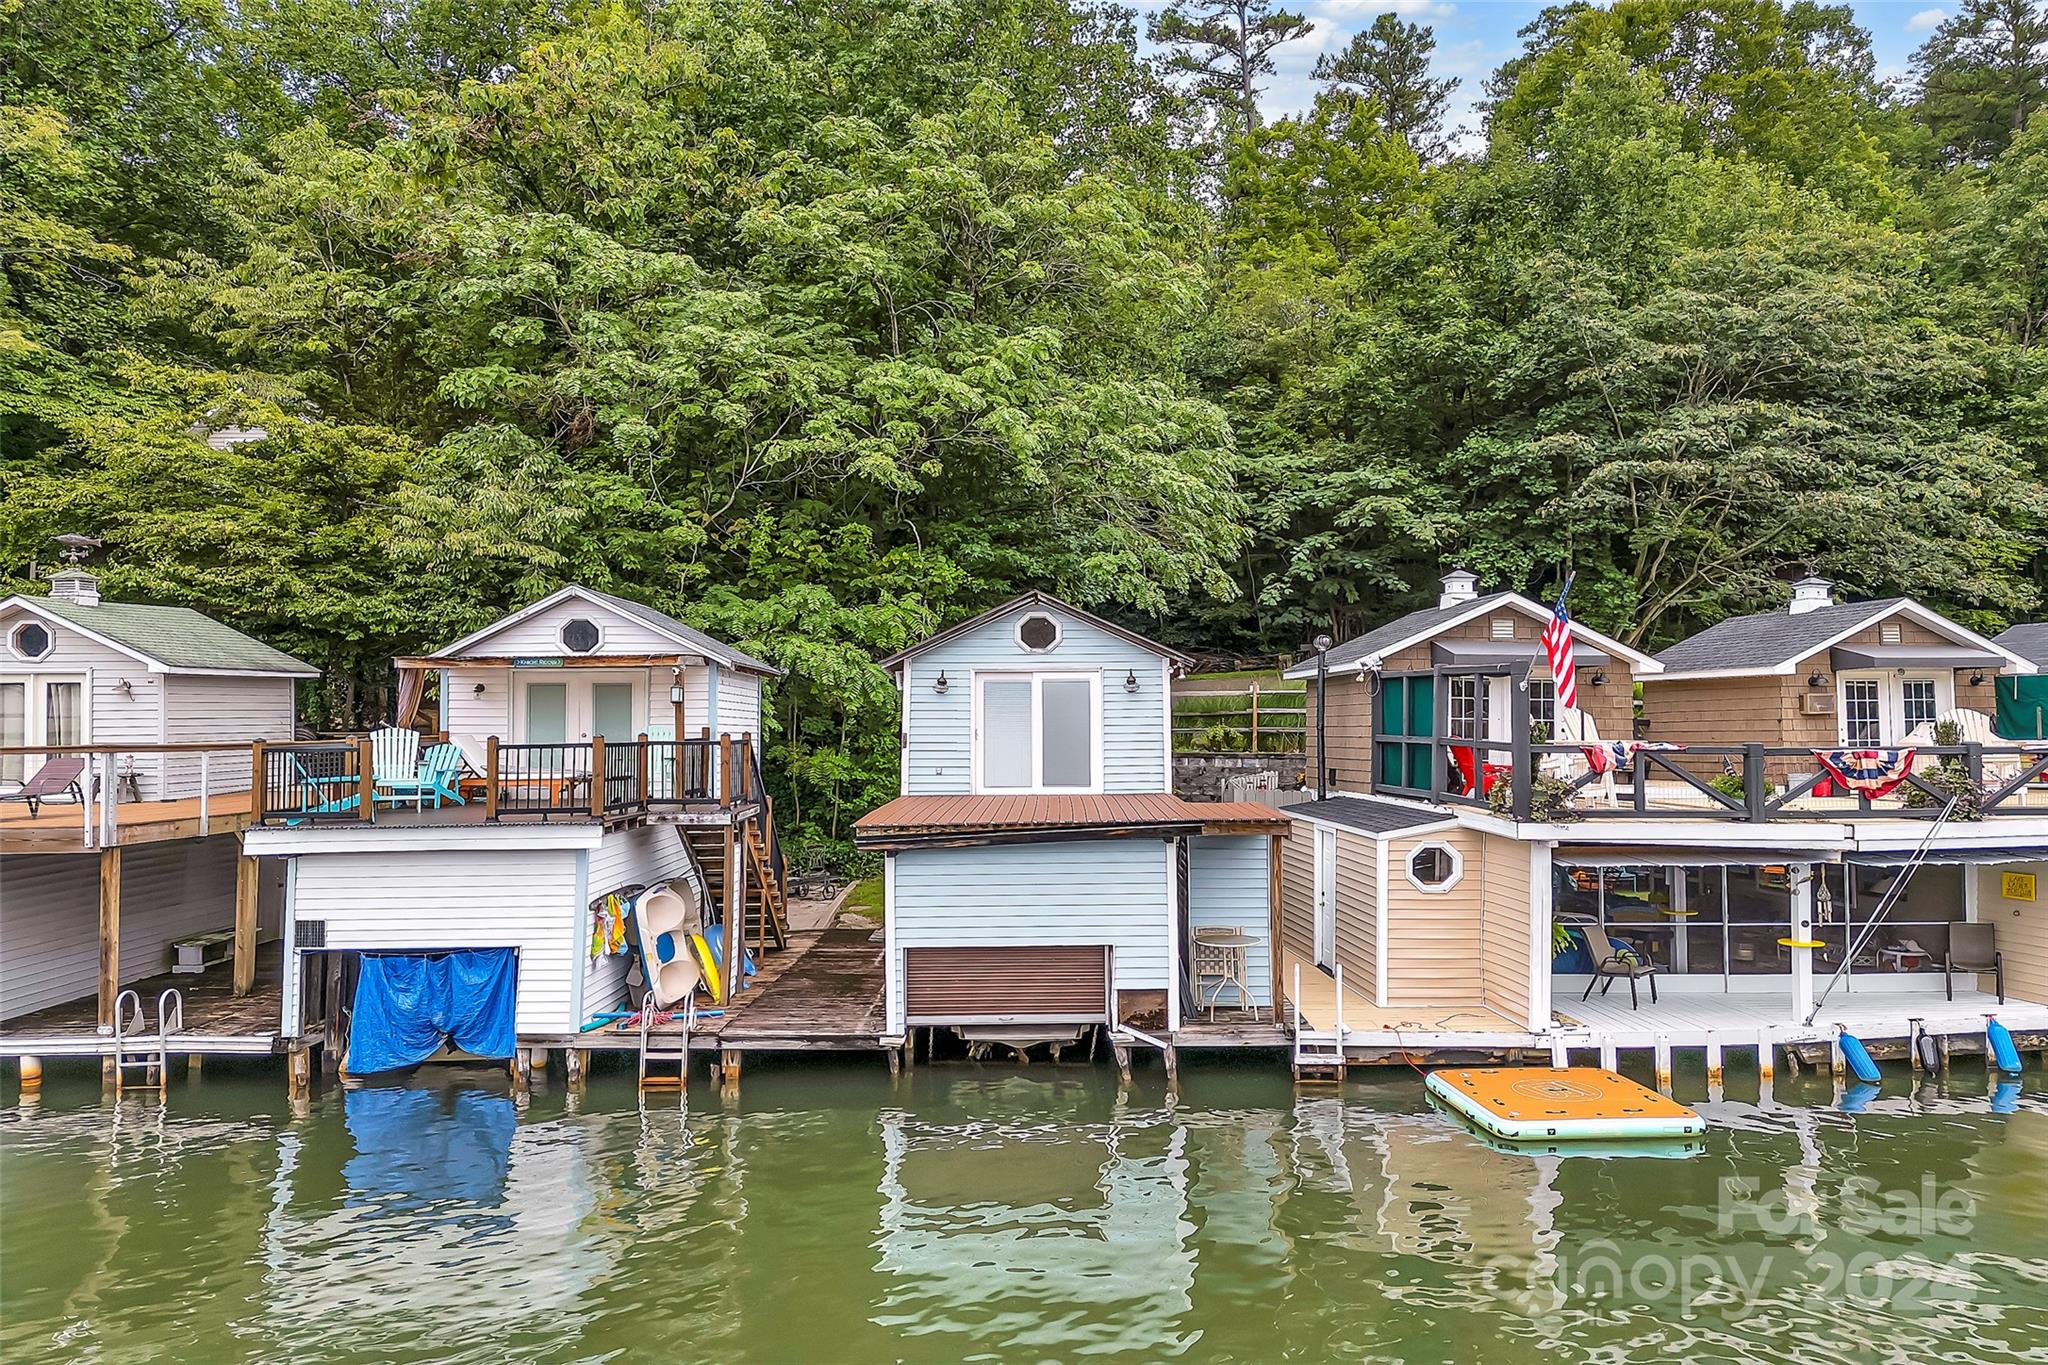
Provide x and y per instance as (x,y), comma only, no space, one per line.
(175,639)
(1369,816)
(1770,638)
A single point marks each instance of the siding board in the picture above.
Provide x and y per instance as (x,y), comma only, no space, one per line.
(1228,888)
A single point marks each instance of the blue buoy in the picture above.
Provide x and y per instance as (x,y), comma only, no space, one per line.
(2002,1051)
(1858,1057)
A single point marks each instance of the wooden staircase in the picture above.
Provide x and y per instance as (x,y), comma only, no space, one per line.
(765,878)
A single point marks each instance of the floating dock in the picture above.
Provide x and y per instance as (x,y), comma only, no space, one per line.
(1567,1104)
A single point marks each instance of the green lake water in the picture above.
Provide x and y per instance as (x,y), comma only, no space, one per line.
(1002,1215)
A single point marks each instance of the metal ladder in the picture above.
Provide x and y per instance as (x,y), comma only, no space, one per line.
(135,1050)
(1318,1053)
(656,1054)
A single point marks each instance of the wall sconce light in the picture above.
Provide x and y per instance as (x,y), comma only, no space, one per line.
(1816,680)
(1599,678)
(675,687)
(126,689)
(939,684)
(1131,681)
(1977,678)
(477,691)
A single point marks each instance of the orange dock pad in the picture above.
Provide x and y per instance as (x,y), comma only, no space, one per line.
(1581,1103)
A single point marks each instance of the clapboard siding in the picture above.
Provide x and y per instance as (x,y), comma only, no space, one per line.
(540,634)
(1505,934)
(739,705)
(49,916)
(1358,909)
(1111,891)
(110,718)
(626,857)
(939,758)
(2022,930)
(480,714)
(209,709)
(1298,890)
(1433,941)
(1229,888)
(525,899)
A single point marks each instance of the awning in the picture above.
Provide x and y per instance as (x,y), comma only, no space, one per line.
(1915,656)
(1596,855)
(1495,653)
(1938,854)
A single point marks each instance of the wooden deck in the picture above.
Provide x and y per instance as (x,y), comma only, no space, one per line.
(1319,1009)
(217,1021)
(60,826)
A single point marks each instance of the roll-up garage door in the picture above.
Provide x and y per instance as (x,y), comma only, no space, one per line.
(995,985)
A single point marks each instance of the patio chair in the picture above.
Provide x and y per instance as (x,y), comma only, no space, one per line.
(1610,962)
(395,764)
(1973,948)
(1568,768)
(437,779)
(1974,728)
(58,776)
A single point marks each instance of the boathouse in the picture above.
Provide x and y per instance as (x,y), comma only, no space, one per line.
(1040,874)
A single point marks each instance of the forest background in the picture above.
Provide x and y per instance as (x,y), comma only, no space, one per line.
(824,323)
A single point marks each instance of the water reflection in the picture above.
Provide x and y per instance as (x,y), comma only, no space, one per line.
(993,1215)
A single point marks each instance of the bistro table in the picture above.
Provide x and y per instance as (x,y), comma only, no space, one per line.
(1220,958)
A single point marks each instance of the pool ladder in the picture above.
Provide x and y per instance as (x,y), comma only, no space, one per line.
(135,1050)
(1318,1053)
(656,1053)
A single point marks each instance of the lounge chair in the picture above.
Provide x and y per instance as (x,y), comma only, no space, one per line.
(1610,961)
(1973,948)
(58,776)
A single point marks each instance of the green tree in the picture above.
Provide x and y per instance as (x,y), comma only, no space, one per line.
(1222,49)
(1983,73)
(1388,64)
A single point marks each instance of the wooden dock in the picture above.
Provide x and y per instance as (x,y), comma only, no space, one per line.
(217,1021)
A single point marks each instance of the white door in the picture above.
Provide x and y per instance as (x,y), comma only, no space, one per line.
(1326,897)
(36,709)
(1882,708)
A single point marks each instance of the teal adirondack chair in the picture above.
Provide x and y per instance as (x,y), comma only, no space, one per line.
(330,795)
(440,774)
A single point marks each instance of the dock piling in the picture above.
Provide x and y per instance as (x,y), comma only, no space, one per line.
(1765,1062)
(1123,1062)
(1662,1053)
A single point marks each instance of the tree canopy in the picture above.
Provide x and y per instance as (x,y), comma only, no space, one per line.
(823,327)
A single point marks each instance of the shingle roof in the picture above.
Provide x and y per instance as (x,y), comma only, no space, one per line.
(662,621)
(1372,817)
(2029,640)
(176,638)
(1770,638)
(1382,638)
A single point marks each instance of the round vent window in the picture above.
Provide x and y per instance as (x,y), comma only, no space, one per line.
(1038,633)
(31,640)
(580,636)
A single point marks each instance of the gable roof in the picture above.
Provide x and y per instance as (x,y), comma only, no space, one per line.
(168,639)
(2028,639)
(1418,627)
(658,621)
(1043,600)
(1775,641)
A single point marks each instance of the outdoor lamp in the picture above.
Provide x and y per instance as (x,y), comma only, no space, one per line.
(1816,680)
(939,684)
(1131,681)
(1977,678)
(477,691)
(675,687)
(1599,677)
(126,689)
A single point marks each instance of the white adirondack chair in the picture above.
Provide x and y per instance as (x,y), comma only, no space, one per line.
(1976,729)
(395,764)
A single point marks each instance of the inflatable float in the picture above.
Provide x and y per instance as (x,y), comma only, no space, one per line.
(1568,1104)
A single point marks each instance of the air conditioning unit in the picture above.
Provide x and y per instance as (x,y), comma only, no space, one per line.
(1816,703)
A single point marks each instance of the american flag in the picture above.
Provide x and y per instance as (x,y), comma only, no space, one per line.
(1557,643)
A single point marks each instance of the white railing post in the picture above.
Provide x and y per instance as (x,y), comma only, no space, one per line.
(1338,971)
(110,804)
(1294,1004)
(85,789)
(203,757)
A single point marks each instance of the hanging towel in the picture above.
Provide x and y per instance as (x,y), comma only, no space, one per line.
(1869,772)
(408,1005)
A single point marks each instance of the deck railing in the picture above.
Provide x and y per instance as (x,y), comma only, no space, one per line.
(1749,782)
(337,781)
(198,787)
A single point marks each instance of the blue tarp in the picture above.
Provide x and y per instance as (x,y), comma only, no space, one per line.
(407,1005)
